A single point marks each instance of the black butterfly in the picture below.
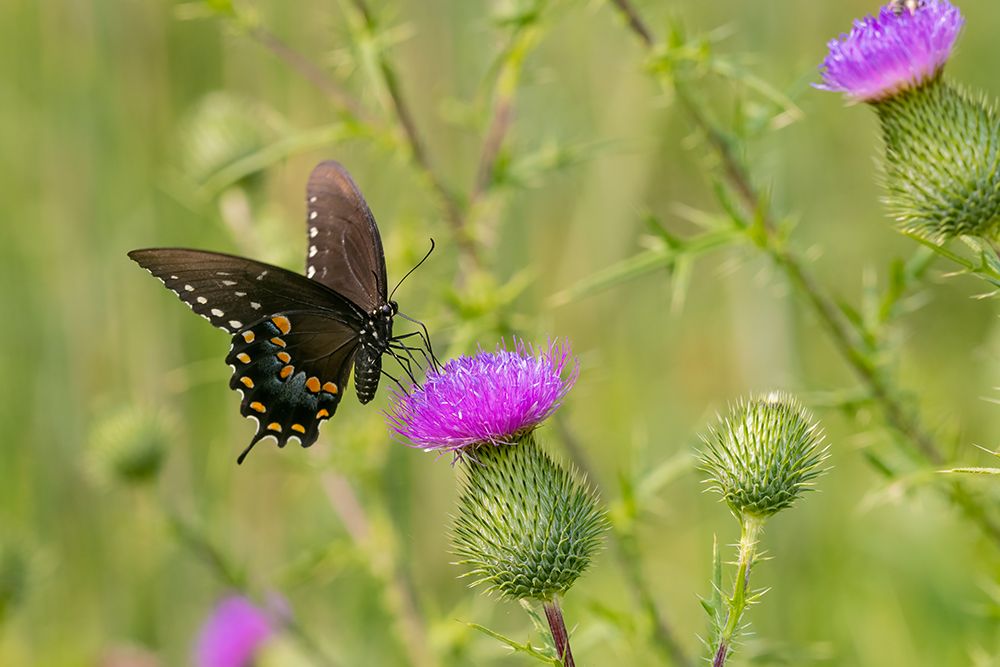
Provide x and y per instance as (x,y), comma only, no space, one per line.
(295,338)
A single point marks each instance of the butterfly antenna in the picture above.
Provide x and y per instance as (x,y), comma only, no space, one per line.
(412,270)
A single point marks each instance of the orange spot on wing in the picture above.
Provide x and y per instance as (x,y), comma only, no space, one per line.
(247,382)
(274,426)
(244,357)
(279,342)
(248,336)
(257,406)
(299,427)
(322,413)
(280,321)
(286,371)
(330,387)
(312,384)
(284,357)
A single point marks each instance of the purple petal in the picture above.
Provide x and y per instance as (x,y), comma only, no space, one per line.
(490,397)
(889,53)
(232,634)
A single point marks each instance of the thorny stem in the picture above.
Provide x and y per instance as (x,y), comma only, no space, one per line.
(553,614)
(399,593)
(846,338)
(453,207)
(627,552)
(751,528)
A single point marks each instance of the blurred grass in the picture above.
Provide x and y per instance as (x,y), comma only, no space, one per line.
(96,96)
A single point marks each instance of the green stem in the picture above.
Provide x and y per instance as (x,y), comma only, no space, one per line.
(751,528)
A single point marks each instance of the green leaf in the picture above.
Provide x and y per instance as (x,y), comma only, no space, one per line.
(526,649)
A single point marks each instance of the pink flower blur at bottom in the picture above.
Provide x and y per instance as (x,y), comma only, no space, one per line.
(491,397)
(233,634)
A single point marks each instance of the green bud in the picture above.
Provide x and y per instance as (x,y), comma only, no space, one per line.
(526,527)
(763,455)
(942,162)
(129,447)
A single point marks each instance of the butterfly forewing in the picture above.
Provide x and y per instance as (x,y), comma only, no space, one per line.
(233,292)
(291,370)
(345,250)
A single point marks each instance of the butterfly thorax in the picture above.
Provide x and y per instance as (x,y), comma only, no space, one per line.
(375,337)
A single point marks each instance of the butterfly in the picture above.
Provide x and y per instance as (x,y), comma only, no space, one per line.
(295,339)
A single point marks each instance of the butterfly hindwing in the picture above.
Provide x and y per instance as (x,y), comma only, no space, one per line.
(291,370)
(345,249)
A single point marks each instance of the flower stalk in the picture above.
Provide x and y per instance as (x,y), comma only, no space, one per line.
(751,528)
(553,614)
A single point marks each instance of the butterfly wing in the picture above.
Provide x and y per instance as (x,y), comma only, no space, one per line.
(233,292)
(345,249)
(294,339)
(291,370)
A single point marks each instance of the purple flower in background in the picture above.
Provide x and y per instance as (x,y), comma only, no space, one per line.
(233,634)
(492,397)
(897,50)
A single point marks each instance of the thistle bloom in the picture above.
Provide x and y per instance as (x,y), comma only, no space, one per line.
(525,526)
(942,144)
(233,634)
(897,50)
(492,397)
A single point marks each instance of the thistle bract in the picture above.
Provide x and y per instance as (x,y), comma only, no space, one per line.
(492,397)
(763,454)
(526,528)
(942,144)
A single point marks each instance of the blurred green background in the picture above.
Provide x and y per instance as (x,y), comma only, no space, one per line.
(123,514)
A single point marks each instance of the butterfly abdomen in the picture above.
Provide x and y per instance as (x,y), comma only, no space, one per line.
(367,372)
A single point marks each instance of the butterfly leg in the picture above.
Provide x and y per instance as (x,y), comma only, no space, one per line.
(425,336)
(398,383)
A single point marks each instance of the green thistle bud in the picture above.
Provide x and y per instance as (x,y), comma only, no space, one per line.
(129,447)
(763,455)
(526,527)
(942,162)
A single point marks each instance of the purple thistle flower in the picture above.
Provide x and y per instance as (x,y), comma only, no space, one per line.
(233,634)
(492,397)
(897,50)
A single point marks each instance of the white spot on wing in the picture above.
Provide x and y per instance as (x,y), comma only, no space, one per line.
(262,274)
(313,215)
(313,232)
(311,272)
(188,288)
(236,324)
(217,312)
(312,200)
(312,251)
(228,283)
(240,293)
(202,300)
(255,305)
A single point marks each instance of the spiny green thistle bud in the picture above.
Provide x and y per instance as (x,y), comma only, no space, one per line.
(763,454)
(525,527)
(129,446)
(942,144)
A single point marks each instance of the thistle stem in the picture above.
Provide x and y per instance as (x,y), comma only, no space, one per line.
(553,614)
(751,528)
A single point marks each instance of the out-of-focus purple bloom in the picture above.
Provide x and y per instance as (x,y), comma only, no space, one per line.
(895,51)
(233,634)
(491,397)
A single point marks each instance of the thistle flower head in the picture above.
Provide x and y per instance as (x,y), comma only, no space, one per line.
(526,528)
(233,634)
(763,454)
(898,50)
(491,397)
